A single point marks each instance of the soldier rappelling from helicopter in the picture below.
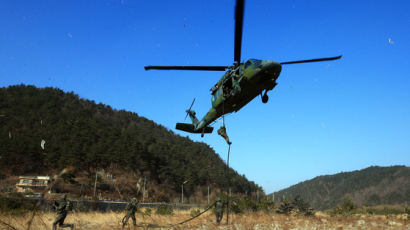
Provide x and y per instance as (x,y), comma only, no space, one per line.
(241,83)
(222,133)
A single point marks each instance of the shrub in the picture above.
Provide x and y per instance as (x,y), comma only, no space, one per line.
(16,204)
(286,207)
(242,205)
(164,210)
(347,208)
(266,205)
(194,212)
(302,206)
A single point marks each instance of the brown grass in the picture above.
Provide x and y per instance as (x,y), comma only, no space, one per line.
(112,220)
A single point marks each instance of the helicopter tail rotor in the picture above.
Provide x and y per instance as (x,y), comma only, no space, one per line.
(189,110)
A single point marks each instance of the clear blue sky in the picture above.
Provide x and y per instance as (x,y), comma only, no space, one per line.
(322,118)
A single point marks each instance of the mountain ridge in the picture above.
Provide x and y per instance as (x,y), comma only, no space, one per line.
(374,185)
(90,136)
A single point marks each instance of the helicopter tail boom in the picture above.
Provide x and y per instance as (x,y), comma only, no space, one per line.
(190,128)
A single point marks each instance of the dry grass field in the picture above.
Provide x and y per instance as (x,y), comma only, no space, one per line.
(112,220)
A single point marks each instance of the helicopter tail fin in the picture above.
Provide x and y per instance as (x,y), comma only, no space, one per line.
(190,128)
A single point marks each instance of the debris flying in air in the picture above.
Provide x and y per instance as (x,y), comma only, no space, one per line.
(43,142)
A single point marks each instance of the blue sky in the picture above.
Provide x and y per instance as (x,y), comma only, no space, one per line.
(322,118)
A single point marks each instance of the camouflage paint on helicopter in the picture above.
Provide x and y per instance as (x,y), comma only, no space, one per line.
(240,84)
(237,88)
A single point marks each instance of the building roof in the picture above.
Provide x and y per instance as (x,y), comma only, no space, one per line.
(35,177)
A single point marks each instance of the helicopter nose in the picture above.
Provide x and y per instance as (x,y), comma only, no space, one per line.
(271,68)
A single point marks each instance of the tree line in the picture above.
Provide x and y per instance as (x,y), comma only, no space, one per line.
(48,129)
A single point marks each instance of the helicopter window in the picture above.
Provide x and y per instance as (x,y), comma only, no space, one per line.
(257,63)
(216,95)
(247,64)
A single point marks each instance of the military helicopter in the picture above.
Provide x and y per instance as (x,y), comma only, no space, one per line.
(241,83)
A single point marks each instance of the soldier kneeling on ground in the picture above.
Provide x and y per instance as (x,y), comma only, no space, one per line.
(62,208)
(131,209)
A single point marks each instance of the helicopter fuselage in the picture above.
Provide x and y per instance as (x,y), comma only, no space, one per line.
(238,86)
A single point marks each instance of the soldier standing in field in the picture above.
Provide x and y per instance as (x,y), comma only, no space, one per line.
(219,210)
(62,208)
(131,209)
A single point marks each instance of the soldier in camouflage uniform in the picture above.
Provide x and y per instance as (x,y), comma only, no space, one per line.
(219,210)
(222,133)
(62,208)
(131,209)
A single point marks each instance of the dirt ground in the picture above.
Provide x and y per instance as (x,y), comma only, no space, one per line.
(112,220)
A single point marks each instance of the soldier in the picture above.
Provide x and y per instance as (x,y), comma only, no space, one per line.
(219,210)
(62,208)
(131,209)
(222,133)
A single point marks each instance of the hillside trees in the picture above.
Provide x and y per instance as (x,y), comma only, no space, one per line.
(88,136)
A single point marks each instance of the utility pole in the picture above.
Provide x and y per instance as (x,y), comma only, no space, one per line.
(182,193)
(208,194)
(257,195)
(143,193)
(95,183)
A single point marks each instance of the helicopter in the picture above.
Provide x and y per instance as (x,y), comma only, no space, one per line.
(241,83)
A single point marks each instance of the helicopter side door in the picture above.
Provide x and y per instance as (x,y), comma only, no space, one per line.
(217,97)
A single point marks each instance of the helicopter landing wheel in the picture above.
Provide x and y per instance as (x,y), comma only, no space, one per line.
(265,98)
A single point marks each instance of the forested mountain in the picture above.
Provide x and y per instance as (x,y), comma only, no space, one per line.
(86,135)
(370,186)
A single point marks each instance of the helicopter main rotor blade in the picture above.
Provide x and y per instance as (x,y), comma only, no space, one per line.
(238,30)
(207,68)
(311,60)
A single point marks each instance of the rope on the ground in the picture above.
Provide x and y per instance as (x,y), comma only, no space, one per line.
(179,223)
(8,225)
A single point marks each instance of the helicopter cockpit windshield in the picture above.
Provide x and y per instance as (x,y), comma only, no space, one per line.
(255,62)
(247,64)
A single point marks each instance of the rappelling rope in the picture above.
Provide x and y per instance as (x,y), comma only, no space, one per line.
(227,165)
(210,206)
(229,186)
